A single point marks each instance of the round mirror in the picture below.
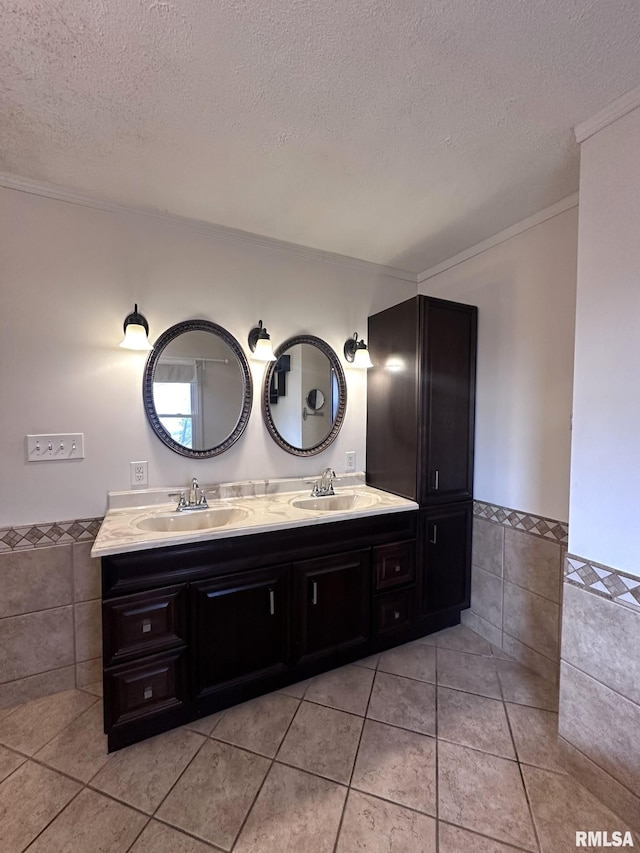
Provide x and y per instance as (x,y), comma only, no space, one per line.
(197,389)
(304,397)
(315,399)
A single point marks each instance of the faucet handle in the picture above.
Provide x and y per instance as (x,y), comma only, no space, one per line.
(180,495)
(203,500)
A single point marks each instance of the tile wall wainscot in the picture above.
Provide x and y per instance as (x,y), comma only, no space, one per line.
(600,683)
(516,584)
(50,610)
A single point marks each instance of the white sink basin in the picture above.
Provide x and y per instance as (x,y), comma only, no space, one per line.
(334,503)
(181,522)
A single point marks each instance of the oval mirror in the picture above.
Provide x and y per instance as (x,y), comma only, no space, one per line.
(304,396)
(197,389)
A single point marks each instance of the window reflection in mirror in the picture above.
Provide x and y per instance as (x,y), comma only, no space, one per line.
(197,388)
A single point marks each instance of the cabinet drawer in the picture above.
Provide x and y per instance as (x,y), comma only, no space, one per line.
(144,623)
(393,612)
(137,690)
(394,564)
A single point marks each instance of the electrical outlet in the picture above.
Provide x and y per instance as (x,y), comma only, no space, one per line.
(350,460)
(139,472)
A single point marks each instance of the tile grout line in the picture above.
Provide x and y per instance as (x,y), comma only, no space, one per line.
(56,816)
(575,778)
(515,749)
(272,761)
(355,757)
(601,683)
(75,627)
(139,834)
(180,775)
(36,674)
(488,837)
(57,734)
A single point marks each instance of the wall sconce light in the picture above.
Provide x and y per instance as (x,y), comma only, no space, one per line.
(356,352)
(136,330)
(260,343)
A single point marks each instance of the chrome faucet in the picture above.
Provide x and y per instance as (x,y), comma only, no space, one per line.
(324,486)
(197,498)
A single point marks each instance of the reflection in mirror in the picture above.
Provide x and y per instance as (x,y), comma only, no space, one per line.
(304,396)
(197,389)
(315,399)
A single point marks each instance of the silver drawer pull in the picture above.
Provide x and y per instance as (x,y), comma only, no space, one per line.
(148,693)
(146,626)
(396,615)
(314,594)
(436,479)
(434,534)
(396,569)
(272,602)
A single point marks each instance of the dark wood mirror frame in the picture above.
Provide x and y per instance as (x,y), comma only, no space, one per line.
(147,387)
(334,361)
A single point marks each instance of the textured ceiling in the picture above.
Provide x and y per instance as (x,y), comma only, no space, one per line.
(399,132)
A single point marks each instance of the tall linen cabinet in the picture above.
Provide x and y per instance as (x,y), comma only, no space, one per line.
(420,435)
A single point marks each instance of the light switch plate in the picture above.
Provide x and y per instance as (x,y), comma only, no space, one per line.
(55,447)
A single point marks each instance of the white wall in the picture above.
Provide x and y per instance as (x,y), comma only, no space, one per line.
(525,292)
(605,469)
(69,276)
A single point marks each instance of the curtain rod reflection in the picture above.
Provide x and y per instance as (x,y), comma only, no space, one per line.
(201,358)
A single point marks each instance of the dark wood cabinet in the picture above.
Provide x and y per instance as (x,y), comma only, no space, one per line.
(190,630)
(445,537)
(332,604)
(420,434)
(144,623)
(239,626)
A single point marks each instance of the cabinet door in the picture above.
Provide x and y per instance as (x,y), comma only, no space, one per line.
(445,547)
(448,393)
(332,603)
(239,628)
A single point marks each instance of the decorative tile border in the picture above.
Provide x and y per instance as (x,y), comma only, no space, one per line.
(547,528)
(603,581)
(44,535)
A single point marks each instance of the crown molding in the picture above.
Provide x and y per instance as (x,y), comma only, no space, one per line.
(612,112)
(530,222)
(206,229)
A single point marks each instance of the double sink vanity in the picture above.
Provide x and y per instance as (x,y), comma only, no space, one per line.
(207,608)
(245,588)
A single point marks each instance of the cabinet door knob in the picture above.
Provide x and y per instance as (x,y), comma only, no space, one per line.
(148,692)
(314,593)
(146,626)
(396,615)
(396,569)
(272,602)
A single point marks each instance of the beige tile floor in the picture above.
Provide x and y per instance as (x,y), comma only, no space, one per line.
(440,746)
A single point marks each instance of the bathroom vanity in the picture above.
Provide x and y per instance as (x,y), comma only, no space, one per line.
(205,605)
(220,616)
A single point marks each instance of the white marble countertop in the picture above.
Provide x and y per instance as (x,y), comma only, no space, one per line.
(256,507)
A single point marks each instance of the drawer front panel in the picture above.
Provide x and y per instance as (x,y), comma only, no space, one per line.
(135,691)
(144,623)
(394,564)
(393,612)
